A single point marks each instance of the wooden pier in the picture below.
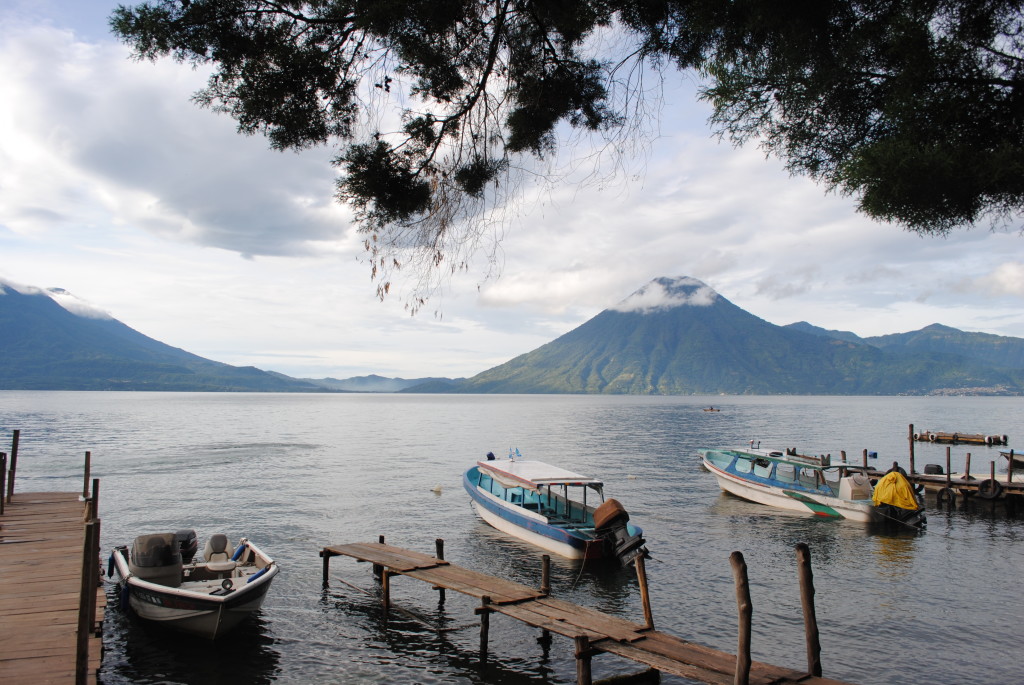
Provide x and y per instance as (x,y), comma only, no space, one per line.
(51,602)
(592,632)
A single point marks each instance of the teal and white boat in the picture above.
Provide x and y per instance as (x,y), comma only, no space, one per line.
(558,510)
(813,485)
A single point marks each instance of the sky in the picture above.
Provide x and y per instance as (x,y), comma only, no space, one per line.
(117,188)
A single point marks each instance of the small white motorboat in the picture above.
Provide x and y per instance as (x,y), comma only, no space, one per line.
(548,506)
(161,582)
(812,484)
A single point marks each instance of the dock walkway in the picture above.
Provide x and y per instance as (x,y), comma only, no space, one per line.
(598,632)
(42,537)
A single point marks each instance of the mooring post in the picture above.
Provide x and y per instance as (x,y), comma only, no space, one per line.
(385,588)
(645,597)
(3,479)
(803,561)
(910,437)
(15,439)
(85,483)
(326,556)
(864,457)
(1009,471)
(949,476)
(745,610)
(82,632)
(484,612)
(378,570)
(439,553)
(583,655)
(545,574)
(967,477)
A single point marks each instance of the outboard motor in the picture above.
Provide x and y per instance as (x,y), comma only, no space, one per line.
(188,544)
(610,521)
(156,558)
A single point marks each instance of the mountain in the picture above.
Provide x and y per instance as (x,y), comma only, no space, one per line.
(47,346)
(375,383)
(996,350)
(678,336)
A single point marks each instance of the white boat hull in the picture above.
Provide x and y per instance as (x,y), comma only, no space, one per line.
(542,541)
(819,505)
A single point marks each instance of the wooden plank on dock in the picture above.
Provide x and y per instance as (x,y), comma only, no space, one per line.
(41,541)
(605,633)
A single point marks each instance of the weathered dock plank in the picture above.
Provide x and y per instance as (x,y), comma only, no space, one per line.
(42,536)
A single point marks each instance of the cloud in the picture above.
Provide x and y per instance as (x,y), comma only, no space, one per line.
(680,293)
(99,138)
(1005,279)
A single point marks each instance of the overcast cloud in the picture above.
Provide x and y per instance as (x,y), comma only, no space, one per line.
(115,187)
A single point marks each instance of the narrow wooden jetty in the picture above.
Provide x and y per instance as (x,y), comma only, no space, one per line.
(51,601)
(593,632)
(959,437)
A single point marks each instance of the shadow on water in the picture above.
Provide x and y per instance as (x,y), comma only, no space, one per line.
(137,651)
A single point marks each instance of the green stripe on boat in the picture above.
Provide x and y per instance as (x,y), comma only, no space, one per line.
(817,507)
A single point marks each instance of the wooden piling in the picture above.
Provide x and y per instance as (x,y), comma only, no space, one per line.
(485,624)
(439,553)
(85,483)
(3,479)
(949,476)
(583,656)
(13,468)
(1009,469)
(377,568)
(803,560)
(385,588)
(864,456)
(545,574)
(745,611)
(645,597)
(910,438)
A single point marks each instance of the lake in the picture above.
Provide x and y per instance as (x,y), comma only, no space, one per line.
(298,472)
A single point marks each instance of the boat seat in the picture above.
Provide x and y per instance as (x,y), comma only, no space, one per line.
(218,555)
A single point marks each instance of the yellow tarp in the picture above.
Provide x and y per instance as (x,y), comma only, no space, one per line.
(896,490)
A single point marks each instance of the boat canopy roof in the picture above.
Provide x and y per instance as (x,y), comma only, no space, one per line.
(533,474)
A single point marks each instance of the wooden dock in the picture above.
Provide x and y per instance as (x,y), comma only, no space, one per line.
(43,542)
(593,632)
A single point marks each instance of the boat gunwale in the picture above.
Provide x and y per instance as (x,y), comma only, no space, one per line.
(271,570)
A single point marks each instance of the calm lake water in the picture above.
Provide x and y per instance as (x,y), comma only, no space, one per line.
(297,472)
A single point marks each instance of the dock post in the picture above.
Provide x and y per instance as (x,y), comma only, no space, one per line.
(803,560)
(746,611)
(645,597)
(910,437)
(85,483)
(85,589)
(377,568)
(583,655)
(1009,471)
(967,477)
(864,456)
(439,553)
(3,479)
(13,469)
(485,624)
(385,588)
(326,556)
(545,574)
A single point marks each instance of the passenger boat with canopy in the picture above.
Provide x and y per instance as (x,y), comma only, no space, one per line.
(812,484)
(553,508)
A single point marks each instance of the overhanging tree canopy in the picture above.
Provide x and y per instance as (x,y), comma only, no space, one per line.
(915,107)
